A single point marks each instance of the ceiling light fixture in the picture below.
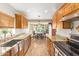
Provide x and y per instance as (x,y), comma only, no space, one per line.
(46,11)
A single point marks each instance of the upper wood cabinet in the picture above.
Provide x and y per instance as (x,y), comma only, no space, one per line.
(21,21)
(8,53)
(65,10)
(69,8)
(24,22)
(6,21)
(56,20)
(64,25)
(54,23)
(18,20)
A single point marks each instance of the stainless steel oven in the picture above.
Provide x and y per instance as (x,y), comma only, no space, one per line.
(74,43)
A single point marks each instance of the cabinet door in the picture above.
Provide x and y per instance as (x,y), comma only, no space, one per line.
(21,21)
(26,45)
(50,47)
(59,25)
(18,20)
(14,50)
(54,22)
(21,53)
(3,20)
(7,53)
(11,22)
(24,22)
(66,25)
(76,6)
(67,9)
(6,21)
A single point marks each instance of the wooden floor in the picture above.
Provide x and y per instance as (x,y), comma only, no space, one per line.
(38,48)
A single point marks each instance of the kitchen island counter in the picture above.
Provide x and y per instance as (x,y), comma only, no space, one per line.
(3,50)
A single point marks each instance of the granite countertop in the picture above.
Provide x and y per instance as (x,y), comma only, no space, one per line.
(3,50)
(65,48)
(21,37)
(57,38)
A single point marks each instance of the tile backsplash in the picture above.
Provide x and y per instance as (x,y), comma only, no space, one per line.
(12,31)
(75,24)
(67,32)
(63,32)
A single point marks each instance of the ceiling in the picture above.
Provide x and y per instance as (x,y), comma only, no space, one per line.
(37,10)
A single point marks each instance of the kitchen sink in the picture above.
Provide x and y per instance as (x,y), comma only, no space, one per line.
(10,43)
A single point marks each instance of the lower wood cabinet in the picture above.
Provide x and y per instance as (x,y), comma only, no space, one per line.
(8,53)
(24,46)
(20,48)
(14,50)
(50,47)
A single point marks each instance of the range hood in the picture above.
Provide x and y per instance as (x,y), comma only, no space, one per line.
(70,16)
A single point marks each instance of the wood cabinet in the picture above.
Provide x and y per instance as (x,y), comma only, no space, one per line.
(54,24)
(14,50)
(24,22)
(21,21)
(64,24)
(8,53)
(50,47)
(68,8)
(18,21)
(65,10)
(24,45)
(11,22)
(6,21)
(20,48)
(59,25)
